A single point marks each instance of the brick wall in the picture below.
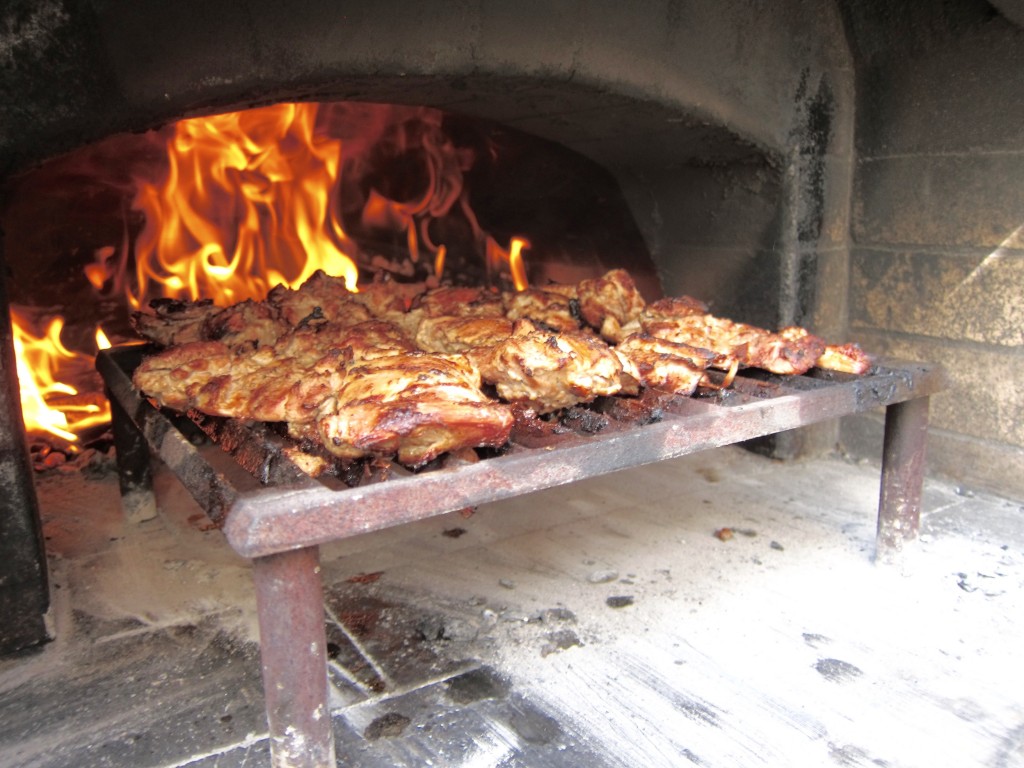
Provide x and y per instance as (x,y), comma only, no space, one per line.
(937,253)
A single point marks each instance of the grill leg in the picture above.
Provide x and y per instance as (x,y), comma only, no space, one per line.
(289,600)
(899,506)
(133,465)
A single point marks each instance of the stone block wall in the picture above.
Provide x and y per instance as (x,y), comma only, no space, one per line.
(937,252)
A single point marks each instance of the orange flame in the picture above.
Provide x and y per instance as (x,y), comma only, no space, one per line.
(248,203)
(49,405)
(512,257)
(516,263)
(253,199)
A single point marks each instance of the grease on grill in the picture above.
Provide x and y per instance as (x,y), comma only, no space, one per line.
(584,420)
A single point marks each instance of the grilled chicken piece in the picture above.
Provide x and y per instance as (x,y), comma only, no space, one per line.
(248,324)
(259,384)
(459,302)
(791,351)
(415,405)
(284,382)
(663,365)
(448,302)
(544,371)
(174,321)
(387,298)
(452,335)
(363,341)
(848,358)
(321,298)
(362,390)
(672,307)
(608,303)
(545,308)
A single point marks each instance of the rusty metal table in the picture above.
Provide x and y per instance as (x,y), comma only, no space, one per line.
(278,517)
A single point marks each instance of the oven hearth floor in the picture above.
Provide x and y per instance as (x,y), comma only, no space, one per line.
(602,624)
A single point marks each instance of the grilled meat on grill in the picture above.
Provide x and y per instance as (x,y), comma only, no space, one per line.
(848,358)
(547,308)
(791,351)
(397,369)
(321,298)
(174,321)
(459,302)
(258,384)
(285,381)
(662,364)
(178,321)
(246,325)
(608,303)
(364,341)
(389,300)
(453,335)
(448,302)
(544,371)
(363,389)
(416,405)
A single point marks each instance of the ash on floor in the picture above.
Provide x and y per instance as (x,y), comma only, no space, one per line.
(718,610)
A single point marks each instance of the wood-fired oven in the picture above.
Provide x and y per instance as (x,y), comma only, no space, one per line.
(773,159)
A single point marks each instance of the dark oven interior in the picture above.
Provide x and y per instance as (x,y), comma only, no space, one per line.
(747,153)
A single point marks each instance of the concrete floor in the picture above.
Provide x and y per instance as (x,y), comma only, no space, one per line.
(600,624)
